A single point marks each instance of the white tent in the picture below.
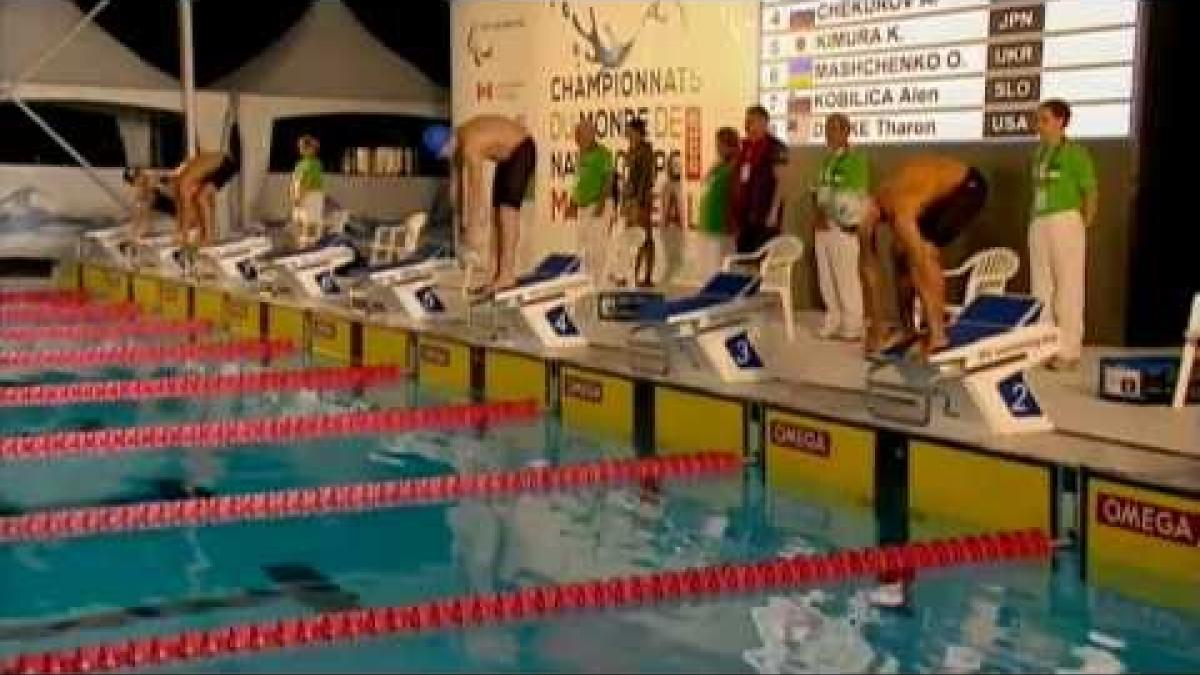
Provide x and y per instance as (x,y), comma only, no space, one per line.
(326,63)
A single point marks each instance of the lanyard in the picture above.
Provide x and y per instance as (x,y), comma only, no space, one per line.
(1046,159)
(834,167)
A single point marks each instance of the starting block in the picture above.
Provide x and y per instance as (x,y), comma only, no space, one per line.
(234,261)
(1187,362)
(312,272)
(409,285)
(160,252)
(1155,379)
(994,342)
(110,244)
(544,297)
(716,322)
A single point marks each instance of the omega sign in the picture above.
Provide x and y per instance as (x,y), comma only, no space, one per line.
(807,440)
(583,389)
(1152,520)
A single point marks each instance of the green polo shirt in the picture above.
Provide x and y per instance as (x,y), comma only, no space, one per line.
(592,175)
(714,202)
(1062,176)
(845,169)
(309,174)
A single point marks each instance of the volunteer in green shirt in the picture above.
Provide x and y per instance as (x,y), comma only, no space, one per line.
(308,194)
(714,222)
(309,175)
(1065,200)
(593,184)
(839,197)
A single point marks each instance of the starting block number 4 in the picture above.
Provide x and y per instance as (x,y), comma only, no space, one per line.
(560,322)
(429,299)
(1018,397)
(742,351)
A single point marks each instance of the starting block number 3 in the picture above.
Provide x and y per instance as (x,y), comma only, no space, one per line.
(560,322)
(430,300)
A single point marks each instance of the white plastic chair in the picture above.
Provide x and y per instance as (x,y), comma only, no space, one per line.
(776,263)
(387,244)
(394,242)
(414,225)
(986,272)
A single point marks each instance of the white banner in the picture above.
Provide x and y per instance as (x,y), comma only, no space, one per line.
(686,67)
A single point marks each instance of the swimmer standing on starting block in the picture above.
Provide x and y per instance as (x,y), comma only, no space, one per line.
(928,202)
(490,138)
(189,193)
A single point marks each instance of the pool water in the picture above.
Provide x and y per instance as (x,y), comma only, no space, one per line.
(1013,618)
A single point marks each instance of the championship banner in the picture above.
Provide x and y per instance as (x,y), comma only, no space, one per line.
(686,67)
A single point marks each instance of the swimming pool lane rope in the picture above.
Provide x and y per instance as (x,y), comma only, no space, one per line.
(41,296)
(534,603)
(195,385)
(104,331)
(356,498)
(65,313)
(143,354)
(116,441)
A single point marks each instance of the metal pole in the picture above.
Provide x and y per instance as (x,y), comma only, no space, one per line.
(70,150)
(187,69)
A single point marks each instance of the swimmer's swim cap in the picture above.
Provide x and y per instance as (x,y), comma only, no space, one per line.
(437,139)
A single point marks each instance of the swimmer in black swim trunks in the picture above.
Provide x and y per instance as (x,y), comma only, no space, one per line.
(194,186)
(928,201)
(507,143)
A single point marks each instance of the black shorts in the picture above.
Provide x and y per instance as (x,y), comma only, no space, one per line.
(945,219)
(511,181)
(225,171)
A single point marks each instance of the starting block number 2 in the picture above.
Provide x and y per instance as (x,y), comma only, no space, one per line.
(742,351)
(1018,398)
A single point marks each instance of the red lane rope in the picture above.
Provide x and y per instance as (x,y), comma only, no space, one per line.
(262,430)
(128,355)
(197,385)
(536,602)
(152,328)
(91,521)
(65,313)
(41,295)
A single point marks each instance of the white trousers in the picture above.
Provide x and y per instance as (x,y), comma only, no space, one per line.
(594,237)
(710,251)
(1057,260)
(837,272)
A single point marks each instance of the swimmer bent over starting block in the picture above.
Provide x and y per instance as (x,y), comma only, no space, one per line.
(509,144)
(928,202)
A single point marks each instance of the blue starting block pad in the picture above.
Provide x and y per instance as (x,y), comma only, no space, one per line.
(991,347)
(715,322)
(409,285)
(543,299)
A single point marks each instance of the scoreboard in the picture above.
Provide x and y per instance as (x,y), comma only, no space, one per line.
(920,71)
